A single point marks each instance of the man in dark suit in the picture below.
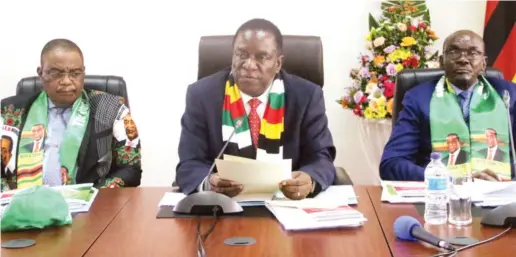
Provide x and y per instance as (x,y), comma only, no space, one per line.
(492,152)
(408,150)
(38,134)
(456,155)
(256,76)
(89,155)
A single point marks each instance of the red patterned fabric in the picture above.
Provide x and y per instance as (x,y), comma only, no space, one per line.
(254,120)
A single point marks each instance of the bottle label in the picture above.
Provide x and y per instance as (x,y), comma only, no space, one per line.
(440,183)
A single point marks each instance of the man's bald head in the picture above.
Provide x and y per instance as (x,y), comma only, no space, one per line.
(464,34)
(463,58)
(62,45)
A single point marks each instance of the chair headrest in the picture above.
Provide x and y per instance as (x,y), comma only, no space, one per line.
(409,78)
(303,56)
(110,84)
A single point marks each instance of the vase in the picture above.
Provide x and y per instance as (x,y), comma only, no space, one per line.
(373,135)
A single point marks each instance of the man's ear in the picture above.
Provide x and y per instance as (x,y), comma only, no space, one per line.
(279,64)
(441,61)
(40,72)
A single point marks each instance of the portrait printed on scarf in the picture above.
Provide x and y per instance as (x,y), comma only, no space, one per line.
(35,139)
(125,130)
(8,147)
(456,155)
(491,151)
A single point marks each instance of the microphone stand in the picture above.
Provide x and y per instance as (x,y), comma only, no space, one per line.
(507,102)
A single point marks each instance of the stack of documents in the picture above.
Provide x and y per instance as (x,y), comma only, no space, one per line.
(403,192)
(483,193)
(313,214)
(79,197)
(333,196)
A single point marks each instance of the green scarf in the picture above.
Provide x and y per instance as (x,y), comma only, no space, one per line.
(488,114)
(30,163)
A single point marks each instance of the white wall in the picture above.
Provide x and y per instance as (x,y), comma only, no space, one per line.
(153,45)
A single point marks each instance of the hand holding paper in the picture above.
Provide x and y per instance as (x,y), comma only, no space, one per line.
(298,187)
(224,186)
(256,177)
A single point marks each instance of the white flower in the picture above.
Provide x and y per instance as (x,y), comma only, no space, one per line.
(369,45)
(402,26)
(379,41)
(371,87)
(432,64)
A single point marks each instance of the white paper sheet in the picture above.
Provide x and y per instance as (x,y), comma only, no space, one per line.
(257,177)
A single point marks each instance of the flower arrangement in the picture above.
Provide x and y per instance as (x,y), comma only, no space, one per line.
(400,39)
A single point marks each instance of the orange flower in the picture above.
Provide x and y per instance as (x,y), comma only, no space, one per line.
(374,79)
(378,60)
(344,102)
(432,35)
(389,106)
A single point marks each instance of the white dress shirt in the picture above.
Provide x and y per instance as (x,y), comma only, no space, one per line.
(261,107)
(493,150)
(455,155)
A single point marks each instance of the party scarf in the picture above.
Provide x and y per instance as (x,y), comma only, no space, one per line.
(487,111)
(272,124)
(30,163)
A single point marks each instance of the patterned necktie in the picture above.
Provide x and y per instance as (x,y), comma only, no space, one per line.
(254,120)
(450,161)
(464,102)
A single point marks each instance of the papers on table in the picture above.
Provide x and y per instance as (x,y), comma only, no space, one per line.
(403,192)
(483,193)
(314,214)
(79,197)
(333,196)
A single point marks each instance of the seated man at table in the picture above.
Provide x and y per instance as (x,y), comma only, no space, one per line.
(281,116)
(66,134)
(462,103)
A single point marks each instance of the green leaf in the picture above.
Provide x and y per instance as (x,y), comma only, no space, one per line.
(426,16)
(372,22)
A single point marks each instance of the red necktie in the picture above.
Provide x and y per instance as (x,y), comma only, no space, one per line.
(450,161)
(254,120)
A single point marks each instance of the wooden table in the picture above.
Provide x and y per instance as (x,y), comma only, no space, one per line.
(136,232)
(387,214)
(73,240)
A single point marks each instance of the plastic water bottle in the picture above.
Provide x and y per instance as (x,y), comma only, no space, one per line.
(436,191)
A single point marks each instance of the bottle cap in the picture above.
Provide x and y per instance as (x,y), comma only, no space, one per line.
(435,156)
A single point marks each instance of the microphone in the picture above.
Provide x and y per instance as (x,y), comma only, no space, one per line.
(208,202)
(408,228)
(238,124)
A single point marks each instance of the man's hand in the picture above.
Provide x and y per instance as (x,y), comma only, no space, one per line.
(486,174)
(224,186)
(298,187)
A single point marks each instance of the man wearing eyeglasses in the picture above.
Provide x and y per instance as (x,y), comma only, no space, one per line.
(463,102)
(67,134)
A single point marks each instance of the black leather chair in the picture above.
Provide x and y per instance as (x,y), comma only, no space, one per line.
(303,57)
(110,84)
(409,78)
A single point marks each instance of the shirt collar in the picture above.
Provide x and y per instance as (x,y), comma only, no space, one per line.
(263,97)
(458,91)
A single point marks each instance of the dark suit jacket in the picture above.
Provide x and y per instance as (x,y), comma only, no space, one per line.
(99,159)
(461,158)
(306,139)
(408,150)
(499,155)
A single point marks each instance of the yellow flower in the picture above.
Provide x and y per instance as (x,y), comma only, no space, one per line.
(368,113)
(380,101)
(368,37)
(400,53)
(408,41)
(399,67)
(381,113)
(389,106)
(379,60)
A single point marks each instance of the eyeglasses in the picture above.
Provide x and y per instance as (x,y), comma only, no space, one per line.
(60,74)
(470,54)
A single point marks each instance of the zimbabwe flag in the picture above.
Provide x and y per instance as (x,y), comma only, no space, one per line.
(500,36)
